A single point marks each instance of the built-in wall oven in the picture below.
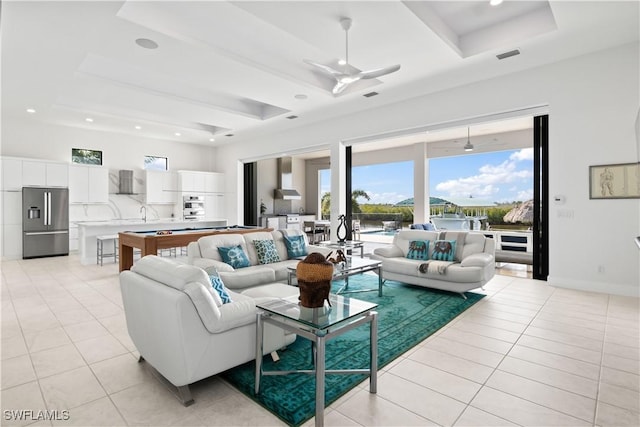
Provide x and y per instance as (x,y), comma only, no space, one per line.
(193,207)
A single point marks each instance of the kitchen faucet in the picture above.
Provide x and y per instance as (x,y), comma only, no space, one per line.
(143,209)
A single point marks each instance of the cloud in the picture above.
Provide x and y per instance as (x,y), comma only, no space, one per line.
(524,154)
(384,198)
(525,194)
(490,179)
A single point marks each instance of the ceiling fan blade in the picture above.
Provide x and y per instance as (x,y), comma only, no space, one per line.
(325,68)
(372,74)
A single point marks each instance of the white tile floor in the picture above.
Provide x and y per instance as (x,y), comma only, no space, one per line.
(528,354)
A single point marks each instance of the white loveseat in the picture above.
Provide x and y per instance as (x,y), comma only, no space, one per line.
(204,253)
(181,328)
(473,265)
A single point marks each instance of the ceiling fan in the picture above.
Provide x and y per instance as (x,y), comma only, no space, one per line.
(345,77)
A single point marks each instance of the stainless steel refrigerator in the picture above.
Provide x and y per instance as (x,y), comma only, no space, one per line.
(45,222)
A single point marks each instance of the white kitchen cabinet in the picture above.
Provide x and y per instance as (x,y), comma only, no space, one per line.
(11,174)
(57,175)
(192,181)
(88,184)
(34,173)
(74,244)
(44,174)
(214,182)
(161,187)
(11,241)
(12,207)
(214,206)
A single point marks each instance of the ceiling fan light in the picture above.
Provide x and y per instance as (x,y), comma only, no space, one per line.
(468,146)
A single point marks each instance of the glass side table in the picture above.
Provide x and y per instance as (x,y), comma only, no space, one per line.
(319,325)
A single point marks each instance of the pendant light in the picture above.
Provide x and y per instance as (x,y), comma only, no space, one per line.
(468,146)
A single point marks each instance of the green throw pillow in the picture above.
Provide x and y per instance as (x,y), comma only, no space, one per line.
(295,246)
(444,250)
(266,251)
(418,249)
(234,256)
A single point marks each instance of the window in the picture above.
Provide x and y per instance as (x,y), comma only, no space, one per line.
(87,157)
(156,163)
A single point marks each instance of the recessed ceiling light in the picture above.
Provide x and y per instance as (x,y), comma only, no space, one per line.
(211,139)
(342,62)
(138,127)
(495,2)
(300,96)
(31,110)
(178,134)
(147,43)
(88,119)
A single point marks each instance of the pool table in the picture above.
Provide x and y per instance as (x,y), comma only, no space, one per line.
(149,242)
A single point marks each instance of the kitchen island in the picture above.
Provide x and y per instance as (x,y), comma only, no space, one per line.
(88,230)
(149,242)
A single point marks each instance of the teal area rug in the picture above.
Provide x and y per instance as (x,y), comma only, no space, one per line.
(406,316)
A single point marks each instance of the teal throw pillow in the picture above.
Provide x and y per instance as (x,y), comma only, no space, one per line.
(418,249)
(218,286)
(444,250)
(266,251)
(295,246)
(234,256)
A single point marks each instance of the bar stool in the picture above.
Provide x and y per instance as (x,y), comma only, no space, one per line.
(100,241)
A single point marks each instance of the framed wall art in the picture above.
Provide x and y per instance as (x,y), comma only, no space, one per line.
(615,181)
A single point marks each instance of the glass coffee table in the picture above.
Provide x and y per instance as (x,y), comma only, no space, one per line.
(347,246)
(319,325)
(343,270)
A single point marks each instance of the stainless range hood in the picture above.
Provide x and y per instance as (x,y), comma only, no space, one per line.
(285,189)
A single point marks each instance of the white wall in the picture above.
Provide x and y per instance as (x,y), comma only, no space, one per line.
(593,102)
(32,139)
(29,138)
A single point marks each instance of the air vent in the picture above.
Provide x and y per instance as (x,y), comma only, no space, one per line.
(229,134)
(506,55)
(370,94)
(292,117)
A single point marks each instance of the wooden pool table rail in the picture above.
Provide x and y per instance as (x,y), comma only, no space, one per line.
(149,244)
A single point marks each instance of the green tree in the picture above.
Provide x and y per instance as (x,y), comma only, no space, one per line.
(325,202)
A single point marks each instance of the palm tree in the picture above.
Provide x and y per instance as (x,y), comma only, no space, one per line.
(325,201)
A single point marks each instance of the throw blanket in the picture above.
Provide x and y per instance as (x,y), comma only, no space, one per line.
(433,266)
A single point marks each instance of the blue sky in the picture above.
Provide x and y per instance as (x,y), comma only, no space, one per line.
(502,176)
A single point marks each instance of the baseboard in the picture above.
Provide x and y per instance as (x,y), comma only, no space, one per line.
(628,290)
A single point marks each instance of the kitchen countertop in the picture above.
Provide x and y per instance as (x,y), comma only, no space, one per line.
(88,230)
(138,221)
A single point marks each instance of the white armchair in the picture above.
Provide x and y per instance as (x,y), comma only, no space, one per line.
(180,326)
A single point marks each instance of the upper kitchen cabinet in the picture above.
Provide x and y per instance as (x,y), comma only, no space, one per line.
(44,174)
(200,182)
(11,174)
(192,181)
(88,184)
(162,187)
(18,173)
(214,182)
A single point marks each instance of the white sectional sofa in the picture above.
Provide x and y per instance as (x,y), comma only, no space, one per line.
(180,326)
(473,264)
(204,253)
